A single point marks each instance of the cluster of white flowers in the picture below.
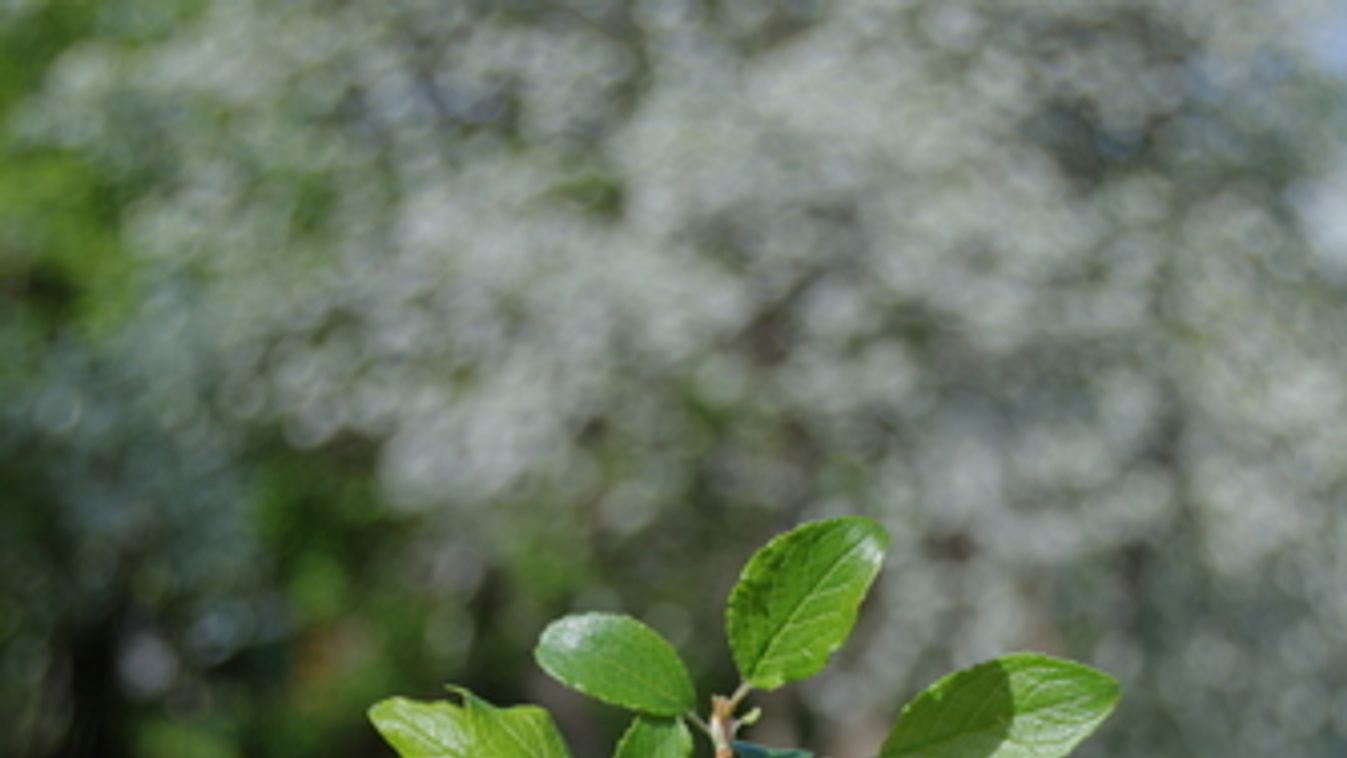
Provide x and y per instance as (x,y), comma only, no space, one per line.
(1029,281)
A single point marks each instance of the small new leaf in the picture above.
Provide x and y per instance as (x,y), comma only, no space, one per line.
(1023,705)
(618,660)
(649,737)
(797,598)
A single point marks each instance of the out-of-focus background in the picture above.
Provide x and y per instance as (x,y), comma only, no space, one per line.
(344,344)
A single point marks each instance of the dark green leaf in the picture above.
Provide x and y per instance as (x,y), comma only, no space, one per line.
(1020,706)
(749,750)
(797,598)
(618,660)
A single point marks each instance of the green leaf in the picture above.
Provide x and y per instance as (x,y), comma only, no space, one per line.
(1023,705)
(655,738)
(422,730)
(797,598)
(749,750)
(477,729)
(618,660)
(524,730)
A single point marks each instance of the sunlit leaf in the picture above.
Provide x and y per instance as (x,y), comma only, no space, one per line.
(797,598)
(1023,705)
(618,660)
(477,729)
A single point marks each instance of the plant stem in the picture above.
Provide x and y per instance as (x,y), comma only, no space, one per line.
(724,725)
(739,695)
(700,722)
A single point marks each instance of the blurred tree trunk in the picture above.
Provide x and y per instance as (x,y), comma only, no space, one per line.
(98,706)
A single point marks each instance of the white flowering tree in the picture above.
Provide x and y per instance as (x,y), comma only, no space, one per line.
(1051,289)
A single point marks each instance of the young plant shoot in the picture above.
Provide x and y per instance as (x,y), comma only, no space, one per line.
(794,605)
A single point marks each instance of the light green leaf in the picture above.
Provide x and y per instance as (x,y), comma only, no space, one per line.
(749,750)
(477,729)
(797,598)
(649,737)
(518,732)
(422,730)
(1020,706)
(618,660)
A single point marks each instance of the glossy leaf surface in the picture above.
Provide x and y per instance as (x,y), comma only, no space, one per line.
(797,598)
(1019,706)
(418,729)
(618,660)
